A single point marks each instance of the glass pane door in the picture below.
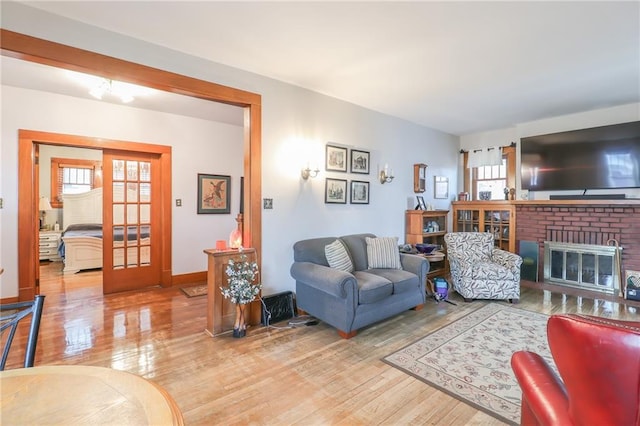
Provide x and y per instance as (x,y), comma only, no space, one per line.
(133,252)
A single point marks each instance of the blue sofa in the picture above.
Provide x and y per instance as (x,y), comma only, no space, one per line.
(349,301)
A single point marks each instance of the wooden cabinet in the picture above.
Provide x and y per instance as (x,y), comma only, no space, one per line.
(221,313)
(429,227)
(48,245)
(419,178)
(497,217)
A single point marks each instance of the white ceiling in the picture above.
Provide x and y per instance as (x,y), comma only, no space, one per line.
(459,67)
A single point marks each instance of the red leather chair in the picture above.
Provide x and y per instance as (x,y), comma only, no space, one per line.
(599,362)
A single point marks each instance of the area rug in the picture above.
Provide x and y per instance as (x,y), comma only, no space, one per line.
(470,359)
(196,290)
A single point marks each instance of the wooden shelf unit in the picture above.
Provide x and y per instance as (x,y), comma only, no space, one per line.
(417,230)
(497,217)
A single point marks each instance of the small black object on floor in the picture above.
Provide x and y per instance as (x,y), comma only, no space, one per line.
(439,298)
(278,307)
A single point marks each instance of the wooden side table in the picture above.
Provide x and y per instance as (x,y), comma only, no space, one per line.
(48,242)
(221,313)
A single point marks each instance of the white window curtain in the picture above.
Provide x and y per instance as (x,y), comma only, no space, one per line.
(491,156)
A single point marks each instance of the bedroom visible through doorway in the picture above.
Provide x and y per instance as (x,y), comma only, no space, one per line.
(63,167)
(117,254)
(159,155)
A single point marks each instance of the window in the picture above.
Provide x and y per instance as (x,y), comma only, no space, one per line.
(73,176)
(491,179)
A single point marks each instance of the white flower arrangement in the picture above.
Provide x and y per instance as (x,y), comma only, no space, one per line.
(241,275)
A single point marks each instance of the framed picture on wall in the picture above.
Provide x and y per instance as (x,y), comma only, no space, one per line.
(359,161)
(214,194)
(335,191)
(359,192)
(336,159)
(441,187)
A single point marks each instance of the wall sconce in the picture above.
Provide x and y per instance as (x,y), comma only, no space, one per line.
(386,174)
(308,172)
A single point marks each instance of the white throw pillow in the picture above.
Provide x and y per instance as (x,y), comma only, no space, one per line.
(383,252)
(338,257)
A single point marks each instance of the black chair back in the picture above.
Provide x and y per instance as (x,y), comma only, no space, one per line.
(10,316)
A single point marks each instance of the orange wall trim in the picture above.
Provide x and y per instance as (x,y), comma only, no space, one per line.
(191,278)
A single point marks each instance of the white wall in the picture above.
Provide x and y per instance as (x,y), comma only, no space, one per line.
(297,124)
(583,120)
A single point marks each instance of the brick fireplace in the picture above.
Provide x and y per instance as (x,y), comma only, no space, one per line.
(593,222)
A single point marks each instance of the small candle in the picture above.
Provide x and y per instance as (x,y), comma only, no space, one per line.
(221,245)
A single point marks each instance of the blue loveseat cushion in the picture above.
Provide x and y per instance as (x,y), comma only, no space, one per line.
(372,288)
(401,279)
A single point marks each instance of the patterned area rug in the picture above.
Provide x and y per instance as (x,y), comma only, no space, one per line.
(196,290)
(470,358)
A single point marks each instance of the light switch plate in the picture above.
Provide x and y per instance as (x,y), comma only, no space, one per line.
(267,203)
(178,202)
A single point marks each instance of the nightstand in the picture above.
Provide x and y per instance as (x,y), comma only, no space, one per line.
(49,241)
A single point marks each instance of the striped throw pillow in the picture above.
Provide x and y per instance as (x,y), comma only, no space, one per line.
(338,257)
(383,253)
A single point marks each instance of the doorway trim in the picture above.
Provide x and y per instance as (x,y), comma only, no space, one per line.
(28,140)
(42,51)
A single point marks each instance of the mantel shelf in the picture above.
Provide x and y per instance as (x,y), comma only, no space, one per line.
(623,202)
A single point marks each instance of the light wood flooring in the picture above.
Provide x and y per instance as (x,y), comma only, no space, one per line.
(276,376)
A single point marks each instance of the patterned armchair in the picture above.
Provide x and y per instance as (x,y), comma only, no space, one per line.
(479,270)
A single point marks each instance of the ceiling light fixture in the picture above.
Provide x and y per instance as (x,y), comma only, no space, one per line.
(115,88)
(99,87)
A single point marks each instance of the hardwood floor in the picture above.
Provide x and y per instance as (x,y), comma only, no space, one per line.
(303,375)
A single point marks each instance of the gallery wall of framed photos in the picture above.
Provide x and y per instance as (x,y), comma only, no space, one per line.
(341,159)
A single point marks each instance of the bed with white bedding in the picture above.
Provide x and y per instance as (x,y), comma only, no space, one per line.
(81,243)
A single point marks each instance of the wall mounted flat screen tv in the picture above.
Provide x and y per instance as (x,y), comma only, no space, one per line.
(605,157)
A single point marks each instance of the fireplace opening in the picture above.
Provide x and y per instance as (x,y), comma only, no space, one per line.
(585,266)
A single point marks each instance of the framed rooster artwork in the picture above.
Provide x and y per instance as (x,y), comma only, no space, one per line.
(214,194)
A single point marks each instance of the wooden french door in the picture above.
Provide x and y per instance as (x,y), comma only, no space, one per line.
(131,221)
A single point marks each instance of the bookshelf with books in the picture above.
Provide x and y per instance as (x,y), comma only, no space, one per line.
(429,227)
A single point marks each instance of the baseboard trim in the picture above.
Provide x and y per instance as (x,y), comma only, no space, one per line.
(190,278)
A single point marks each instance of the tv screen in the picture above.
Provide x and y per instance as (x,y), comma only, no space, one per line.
(605,157)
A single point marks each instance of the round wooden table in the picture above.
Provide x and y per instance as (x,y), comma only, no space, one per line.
(75,395)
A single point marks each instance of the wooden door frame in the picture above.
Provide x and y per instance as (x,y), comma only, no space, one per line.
(28,141)
(42,51)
